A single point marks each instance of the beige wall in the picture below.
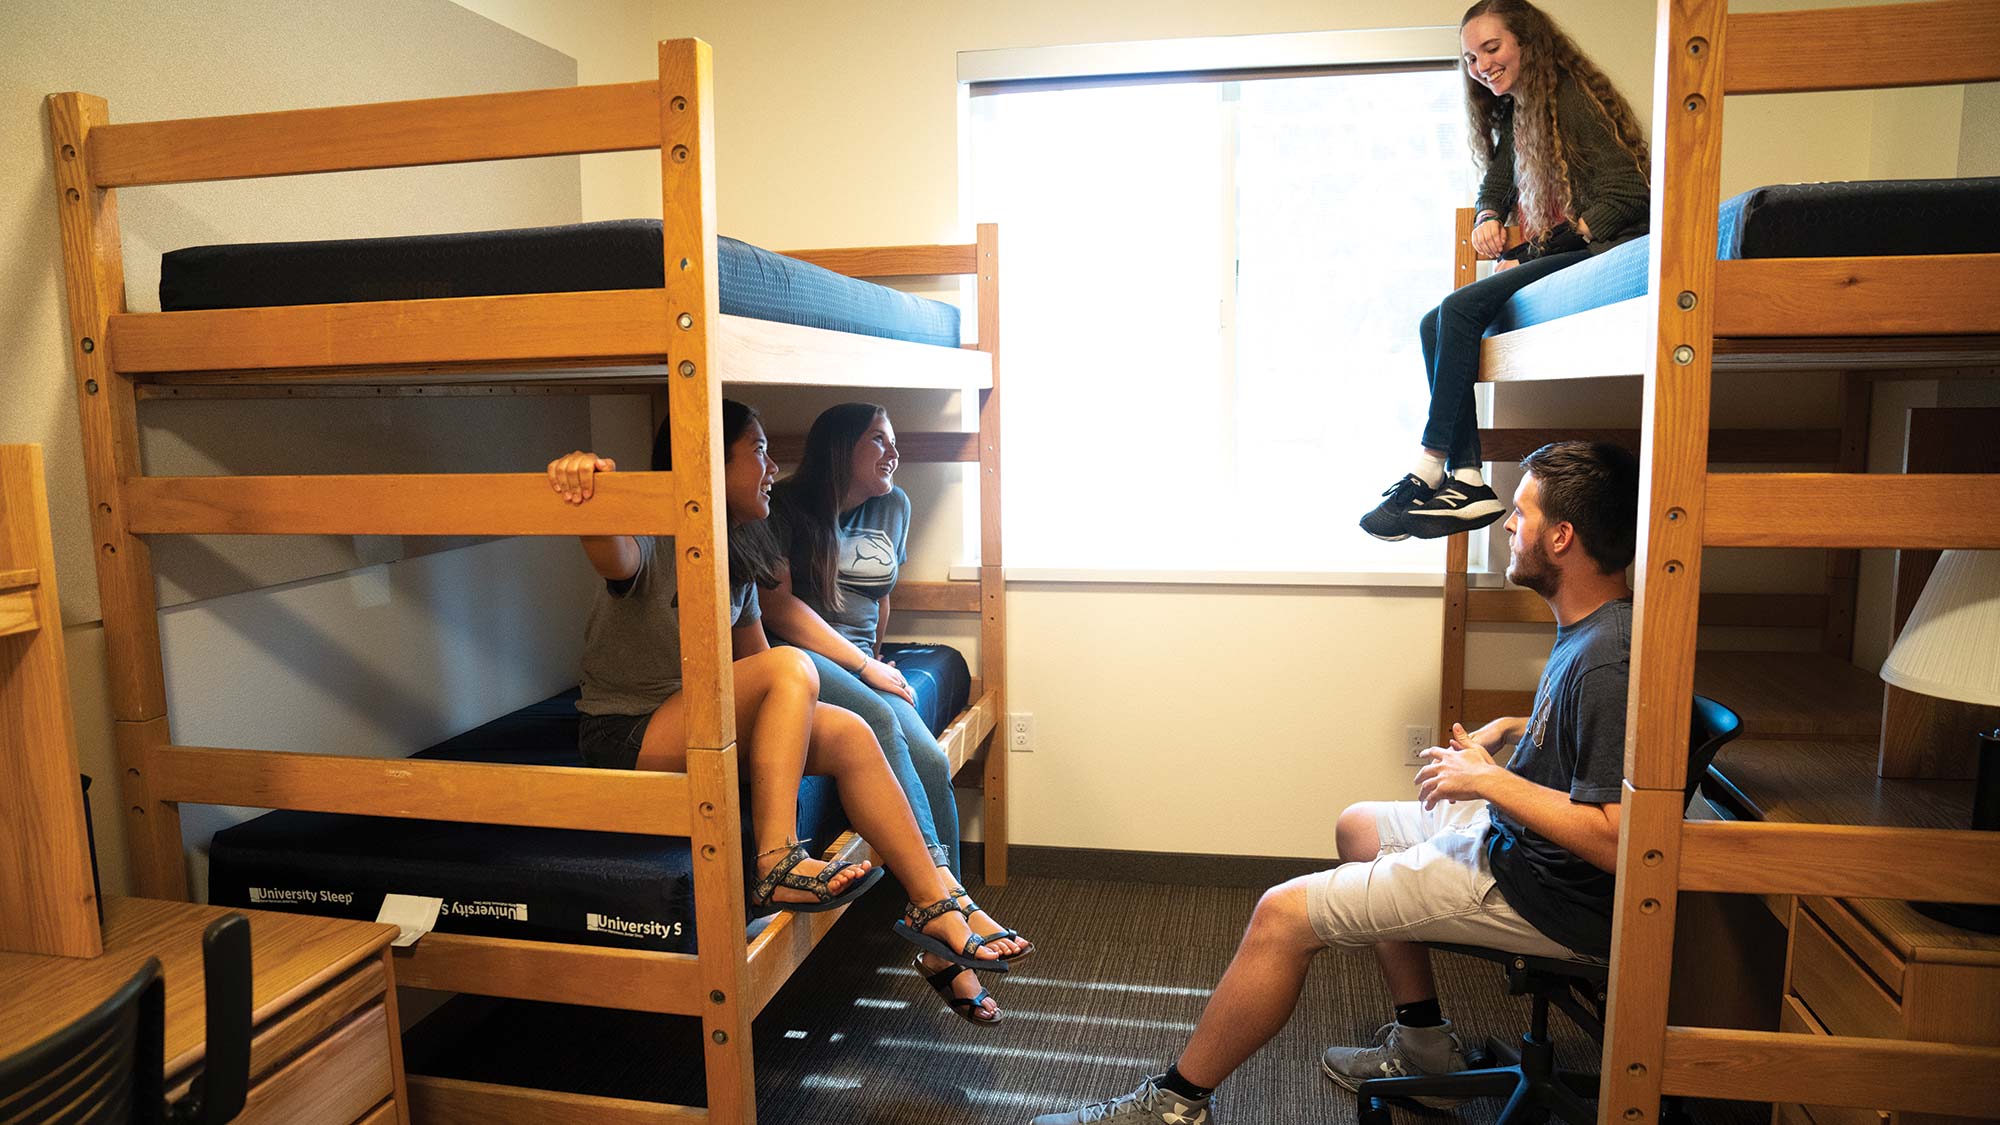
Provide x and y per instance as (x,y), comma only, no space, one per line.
(283,643)
(1184,718)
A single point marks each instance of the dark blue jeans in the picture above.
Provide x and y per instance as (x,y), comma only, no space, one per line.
(1451,334)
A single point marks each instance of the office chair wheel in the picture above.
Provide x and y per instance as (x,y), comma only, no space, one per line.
(1375,1111)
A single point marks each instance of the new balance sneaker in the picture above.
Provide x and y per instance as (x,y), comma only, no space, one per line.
(1386,520)
(1398,1052)
(1147,1105)
(1453,507)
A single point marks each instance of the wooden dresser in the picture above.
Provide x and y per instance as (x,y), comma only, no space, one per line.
(325,1047)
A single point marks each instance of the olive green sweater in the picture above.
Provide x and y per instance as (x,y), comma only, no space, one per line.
(1607,192)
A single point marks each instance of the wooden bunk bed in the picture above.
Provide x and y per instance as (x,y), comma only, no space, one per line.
(673,342)
(1739,317)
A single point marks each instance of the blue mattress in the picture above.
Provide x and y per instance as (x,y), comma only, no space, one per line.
(625,254)
(1835,220)
(615,889)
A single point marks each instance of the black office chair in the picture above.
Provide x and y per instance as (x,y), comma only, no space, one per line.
(107,1067)
(1535,1088)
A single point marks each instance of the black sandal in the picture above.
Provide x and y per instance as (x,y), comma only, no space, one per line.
(911,929)
(968,1009)
(968,908)
(820,886)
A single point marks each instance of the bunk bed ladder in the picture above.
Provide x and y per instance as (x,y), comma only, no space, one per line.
(1703,53)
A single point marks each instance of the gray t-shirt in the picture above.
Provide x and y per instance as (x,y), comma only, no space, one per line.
(632,646)
(1575,743)
(874,544)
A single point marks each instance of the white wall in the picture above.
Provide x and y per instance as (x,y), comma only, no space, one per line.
(1196,719)
(422,640)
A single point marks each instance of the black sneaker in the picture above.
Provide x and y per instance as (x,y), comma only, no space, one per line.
(1386,521)
(1454,507)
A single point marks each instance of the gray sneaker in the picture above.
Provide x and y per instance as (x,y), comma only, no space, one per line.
(1399,1052)
(1148,1104)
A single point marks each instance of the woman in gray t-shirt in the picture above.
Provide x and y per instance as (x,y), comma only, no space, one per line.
(843,527)
(635,713)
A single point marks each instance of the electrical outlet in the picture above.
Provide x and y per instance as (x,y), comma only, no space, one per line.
(1021,733)
(1416,740)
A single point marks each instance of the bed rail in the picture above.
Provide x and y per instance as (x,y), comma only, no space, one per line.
(400,504)
(1941,43)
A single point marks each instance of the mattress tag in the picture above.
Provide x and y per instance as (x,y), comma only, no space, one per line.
(414,915)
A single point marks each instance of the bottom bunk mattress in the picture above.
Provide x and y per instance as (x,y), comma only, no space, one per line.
(1867,218)
(623,890)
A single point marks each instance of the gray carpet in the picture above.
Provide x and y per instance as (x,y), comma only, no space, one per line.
(1120,976)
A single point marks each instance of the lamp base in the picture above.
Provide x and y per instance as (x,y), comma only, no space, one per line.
(1980,917)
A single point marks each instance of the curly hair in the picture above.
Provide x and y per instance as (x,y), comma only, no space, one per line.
(1541,165)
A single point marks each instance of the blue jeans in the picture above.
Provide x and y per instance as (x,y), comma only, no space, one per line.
(919,763)
(1451,334)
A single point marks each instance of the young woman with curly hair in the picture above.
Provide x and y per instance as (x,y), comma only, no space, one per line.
(1560,149)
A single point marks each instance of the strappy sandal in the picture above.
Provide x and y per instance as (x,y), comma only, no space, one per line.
(911,929)
(820,886)
(971,1010)
(963,901)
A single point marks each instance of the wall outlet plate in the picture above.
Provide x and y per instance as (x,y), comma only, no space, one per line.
(1021,733)
(1416,740)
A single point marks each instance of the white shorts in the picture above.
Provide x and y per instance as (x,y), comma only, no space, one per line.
(1430,882)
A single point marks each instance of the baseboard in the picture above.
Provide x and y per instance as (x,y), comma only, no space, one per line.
(1172,868)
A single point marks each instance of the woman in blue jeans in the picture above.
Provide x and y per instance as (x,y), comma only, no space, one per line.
(843,529)
(1559,147)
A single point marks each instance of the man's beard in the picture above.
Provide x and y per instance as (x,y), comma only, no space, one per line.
(1532,569)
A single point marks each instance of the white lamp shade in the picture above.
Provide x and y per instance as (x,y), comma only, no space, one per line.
(1951,647)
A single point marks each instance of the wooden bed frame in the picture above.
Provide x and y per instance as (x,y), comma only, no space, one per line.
(1935,313)
(673,342)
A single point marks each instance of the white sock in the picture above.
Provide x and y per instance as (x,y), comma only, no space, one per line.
(1468,476)
(1430,468)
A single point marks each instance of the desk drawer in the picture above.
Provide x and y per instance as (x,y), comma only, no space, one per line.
(1794,1018)
(1836,987)
(335,1082)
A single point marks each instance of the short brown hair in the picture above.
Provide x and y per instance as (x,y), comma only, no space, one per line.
(1594,487)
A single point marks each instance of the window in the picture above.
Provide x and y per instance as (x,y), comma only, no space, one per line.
(1212,294)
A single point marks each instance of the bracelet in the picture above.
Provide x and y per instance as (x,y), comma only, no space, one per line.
(865,658)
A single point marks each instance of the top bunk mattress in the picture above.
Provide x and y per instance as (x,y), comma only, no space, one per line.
(1867,218)
(623,254)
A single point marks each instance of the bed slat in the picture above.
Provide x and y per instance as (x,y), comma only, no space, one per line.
(554,122)
(1840,860)
(1930,510)
(1939,295)
(473,792)
(398,504)
(1941,43)
(633,979)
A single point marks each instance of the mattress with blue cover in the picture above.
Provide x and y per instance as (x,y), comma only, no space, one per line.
(1832,220)
(623,254)
(624,890)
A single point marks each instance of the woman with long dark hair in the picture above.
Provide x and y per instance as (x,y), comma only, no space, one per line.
(635,715)
(842,526)
(1560,149)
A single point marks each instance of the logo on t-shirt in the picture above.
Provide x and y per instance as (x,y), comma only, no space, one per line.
(867,560)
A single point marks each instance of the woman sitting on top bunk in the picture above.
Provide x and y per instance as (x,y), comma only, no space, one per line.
(1559,146)
(842,527)
(635,716)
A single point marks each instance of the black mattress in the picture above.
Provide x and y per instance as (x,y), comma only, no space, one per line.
(624,254)
(1869,218)
(616,889)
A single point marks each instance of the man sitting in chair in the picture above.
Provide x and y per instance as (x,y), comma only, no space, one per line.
(1517,857)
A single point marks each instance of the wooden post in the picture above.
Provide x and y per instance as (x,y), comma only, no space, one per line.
(992,579)
(48,900)
(106,402)
(1687,156)
(691,308)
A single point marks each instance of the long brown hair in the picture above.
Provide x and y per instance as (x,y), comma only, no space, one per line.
(809,500)
(753,554)
(1541,161)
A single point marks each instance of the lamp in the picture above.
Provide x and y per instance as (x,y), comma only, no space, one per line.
(1951,650)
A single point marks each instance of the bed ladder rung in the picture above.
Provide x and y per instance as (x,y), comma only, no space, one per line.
(399,504)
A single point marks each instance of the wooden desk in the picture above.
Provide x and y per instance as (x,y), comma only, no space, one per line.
(1867,967)
(325,1045)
